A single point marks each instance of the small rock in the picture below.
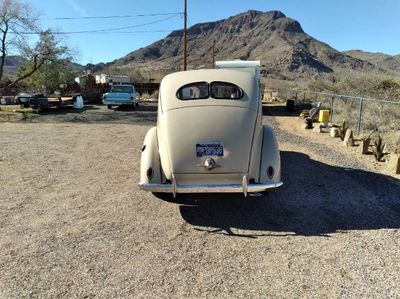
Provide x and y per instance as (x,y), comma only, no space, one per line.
(348,138)
(394,163)
(334,132)
(318,128)
(363,147)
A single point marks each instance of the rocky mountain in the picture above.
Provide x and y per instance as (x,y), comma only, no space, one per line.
(278,41)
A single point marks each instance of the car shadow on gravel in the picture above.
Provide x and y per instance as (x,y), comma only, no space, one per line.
(316,200)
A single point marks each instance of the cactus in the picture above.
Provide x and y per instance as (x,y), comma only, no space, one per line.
(342,130)
(379,148)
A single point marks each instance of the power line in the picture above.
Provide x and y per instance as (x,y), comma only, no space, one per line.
(114,17)
(110,30)
(131,32)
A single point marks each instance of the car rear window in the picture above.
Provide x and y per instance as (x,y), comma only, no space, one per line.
(225,90)
(204,90)
(123,89)
(193,91)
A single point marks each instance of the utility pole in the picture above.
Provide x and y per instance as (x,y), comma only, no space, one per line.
(185,38)
(213,54)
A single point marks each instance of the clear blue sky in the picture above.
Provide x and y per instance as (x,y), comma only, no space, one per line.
(370,25)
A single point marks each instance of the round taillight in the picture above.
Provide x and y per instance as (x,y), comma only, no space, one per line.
(149,173)
(270,172)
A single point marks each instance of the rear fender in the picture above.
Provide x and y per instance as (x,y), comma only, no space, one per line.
(270,157)
(150,167)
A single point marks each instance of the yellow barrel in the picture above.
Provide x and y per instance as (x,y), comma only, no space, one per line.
(323,116)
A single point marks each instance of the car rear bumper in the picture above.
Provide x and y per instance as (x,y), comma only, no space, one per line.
(118,103)
(208,188)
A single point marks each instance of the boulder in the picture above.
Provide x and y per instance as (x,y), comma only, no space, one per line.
(318,128)
(334,132)
(394,163)
(348,138)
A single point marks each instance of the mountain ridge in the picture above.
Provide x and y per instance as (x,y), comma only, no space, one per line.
(277,40)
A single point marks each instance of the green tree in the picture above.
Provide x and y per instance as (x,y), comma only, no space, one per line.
(49,56)
(51,75)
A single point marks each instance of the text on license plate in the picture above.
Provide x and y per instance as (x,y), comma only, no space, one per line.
(210,149)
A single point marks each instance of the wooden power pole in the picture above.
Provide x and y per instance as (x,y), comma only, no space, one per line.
(213,54)
(185,38)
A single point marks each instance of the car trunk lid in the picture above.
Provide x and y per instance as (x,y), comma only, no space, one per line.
(190,131)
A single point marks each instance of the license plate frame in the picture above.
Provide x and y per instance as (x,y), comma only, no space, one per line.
(209,149)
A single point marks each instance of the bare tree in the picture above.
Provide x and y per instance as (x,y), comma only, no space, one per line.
(16,18)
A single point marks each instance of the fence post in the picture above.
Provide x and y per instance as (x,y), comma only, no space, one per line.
(331,117)
(359,117)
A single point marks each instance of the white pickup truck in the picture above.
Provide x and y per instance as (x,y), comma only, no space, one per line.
(121,95)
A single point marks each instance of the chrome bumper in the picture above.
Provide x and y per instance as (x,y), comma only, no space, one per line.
(208,188)
(118,103)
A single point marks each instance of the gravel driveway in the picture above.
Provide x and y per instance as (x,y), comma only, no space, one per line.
(73,222)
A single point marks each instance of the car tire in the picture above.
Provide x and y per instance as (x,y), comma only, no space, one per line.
(109,106)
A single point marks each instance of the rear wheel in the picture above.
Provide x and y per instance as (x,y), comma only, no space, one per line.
(109,106)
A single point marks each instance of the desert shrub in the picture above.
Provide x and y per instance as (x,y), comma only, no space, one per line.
(380,87)
(145,95)
(154,95)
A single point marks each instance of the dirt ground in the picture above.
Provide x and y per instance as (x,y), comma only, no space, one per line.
(73,222)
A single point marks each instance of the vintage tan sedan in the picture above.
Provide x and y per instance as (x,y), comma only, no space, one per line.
(209,136)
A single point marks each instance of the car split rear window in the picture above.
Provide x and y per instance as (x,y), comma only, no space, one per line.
(204,90)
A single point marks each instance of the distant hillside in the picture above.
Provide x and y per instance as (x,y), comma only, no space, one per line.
(278,41)
(388,63)
(12,65)
(15,62)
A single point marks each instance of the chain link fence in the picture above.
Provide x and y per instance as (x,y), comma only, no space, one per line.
(362,114)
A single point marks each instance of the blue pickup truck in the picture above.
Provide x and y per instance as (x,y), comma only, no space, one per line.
(121,95)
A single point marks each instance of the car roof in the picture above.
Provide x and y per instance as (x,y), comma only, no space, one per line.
(173,82)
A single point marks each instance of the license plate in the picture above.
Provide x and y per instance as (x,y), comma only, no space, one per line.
(210,149)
